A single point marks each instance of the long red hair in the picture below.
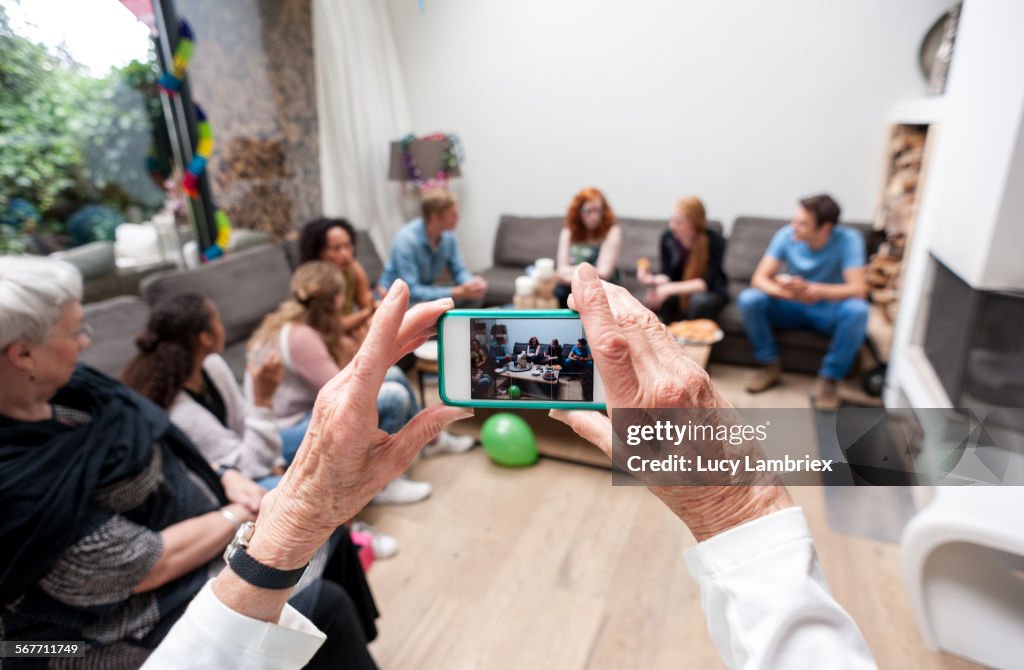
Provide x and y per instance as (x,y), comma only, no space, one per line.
(692,209)
(574,217)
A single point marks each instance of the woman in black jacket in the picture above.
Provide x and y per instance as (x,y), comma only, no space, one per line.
(691,284)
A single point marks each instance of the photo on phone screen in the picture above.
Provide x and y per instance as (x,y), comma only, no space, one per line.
(528,358)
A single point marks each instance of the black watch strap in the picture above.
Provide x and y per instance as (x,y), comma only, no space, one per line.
(262,576)
(222,469)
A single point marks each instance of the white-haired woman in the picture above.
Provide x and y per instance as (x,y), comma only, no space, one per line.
(112,520)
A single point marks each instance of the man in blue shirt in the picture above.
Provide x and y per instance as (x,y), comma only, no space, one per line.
(811,276)
(424,247)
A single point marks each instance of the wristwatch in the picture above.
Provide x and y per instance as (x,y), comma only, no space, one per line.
(222,470)
(251,570)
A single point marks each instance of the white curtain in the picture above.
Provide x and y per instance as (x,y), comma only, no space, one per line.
(361,108)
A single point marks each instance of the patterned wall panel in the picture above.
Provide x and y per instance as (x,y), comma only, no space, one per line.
(252,73)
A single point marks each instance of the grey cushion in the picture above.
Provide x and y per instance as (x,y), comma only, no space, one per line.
(500,284)
(93,260)
(244,239)
(245,286)
(366,254)
(639,239)
(234,354)
(521,240)
(291,252)
(747,243)
(116,322)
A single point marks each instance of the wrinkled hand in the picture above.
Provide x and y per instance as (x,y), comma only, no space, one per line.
(644,367)
(345,459)
(242,490)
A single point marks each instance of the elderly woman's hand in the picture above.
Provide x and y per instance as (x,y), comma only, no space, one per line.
(643,366)
(345,459)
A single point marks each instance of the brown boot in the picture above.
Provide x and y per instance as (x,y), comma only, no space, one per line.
(825,395)
(766,377)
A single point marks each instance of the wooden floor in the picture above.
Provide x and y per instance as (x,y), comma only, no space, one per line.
(552,567)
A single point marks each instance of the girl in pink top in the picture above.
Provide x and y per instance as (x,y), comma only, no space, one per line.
(306,331)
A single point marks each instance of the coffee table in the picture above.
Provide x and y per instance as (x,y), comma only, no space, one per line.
(528,376)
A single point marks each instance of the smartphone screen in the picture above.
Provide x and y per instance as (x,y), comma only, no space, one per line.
(517,358)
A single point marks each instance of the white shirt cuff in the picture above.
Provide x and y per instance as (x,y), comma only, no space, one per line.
(747,542)
(291,642)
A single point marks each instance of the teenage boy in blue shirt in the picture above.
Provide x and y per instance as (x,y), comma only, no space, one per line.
(811,276)
(424,247)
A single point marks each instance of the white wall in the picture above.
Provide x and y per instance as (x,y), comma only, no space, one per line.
(747,104)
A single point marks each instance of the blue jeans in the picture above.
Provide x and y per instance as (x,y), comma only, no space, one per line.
(845,321)
(396,402)
(291,438)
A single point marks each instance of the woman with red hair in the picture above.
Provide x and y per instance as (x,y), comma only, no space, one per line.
(591,235)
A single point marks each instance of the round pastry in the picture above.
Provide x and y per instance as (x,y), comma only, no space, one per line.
(698,330)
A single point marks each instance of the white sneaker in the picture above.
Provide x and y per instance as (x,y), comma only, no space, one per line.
(402,491)
(384,545)
(446,443)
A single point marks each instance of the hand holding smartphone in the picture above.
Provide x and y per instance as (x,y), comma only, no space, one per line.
(536,359)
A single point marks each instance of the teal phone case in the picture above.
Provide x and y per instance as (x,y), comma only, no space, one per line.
(504,314)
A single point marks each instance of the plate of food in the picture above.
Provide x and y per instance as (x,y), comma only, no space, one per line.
(697,331)
(535,372)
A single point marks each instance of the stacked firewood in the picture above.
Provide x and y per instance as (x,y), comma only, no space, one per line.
(896,214)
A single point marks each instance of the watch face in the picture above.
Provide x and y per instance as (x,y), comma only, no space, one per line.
(240,540)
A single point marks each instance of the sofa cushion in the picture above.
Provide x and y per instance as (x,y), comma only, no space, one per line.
(93,260)
(639,239)
(245,286)
(521,240)
(500,284)
(366,254)
(235,356)
(116,322)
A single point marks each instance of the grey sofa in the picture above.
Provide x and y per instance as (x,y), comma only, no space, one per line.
(116,322)
(520,240)
(245,285)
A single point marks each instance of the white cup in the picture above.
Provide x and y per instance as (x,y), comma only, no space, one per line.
(524,285)
(545,267)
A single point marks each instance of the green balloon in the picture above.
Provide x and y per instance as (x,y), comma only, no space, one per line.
(508,440)
(515,392)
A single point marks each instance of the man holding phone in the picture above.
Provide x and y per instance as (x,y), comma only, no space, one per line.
(763,591)
(823,288)
(426,246)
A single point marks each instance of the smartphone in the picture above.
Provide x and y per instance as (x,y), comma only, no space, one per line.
(537,359)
